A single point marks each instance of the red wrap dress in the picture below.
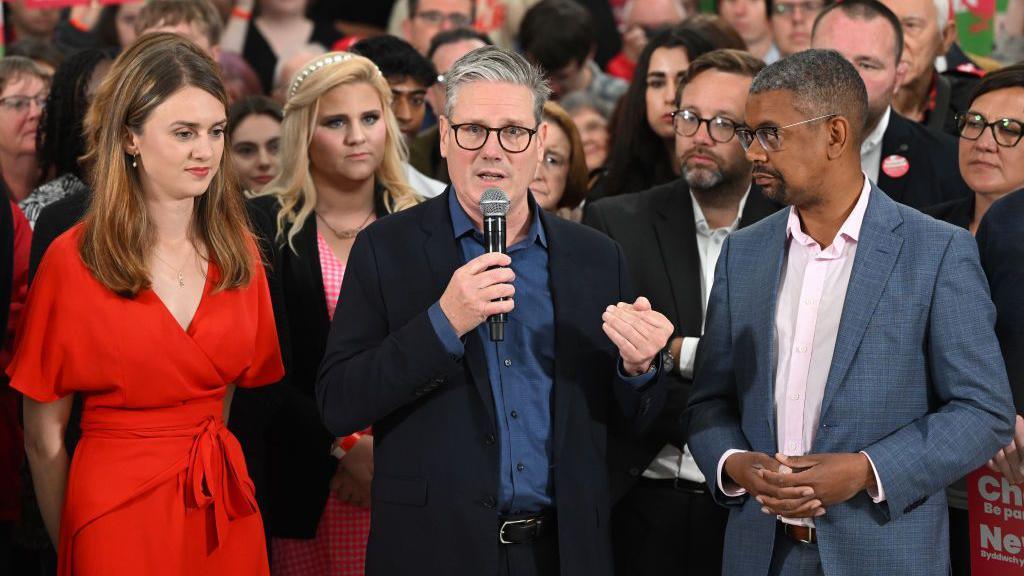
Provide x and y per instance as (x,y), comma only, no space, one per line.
(157,485)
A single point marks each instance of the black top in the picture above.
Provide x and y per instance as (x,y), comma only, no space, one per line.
(658,235)
(425,155)
(957,212)
(258,54)
(934,173)
(376,13)
(1001,244)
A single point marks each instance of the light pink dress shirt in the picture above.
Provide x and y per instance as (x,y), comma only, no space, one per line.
(812,291)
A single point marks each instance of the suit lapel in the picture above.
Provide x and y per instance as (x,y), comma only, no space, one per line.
(677,240)
(877,251)
(444,257)
(311,274)
(567,281)
(765,304)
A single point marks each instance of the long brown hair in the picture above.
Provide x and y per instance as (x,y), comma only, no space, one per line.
(117,235)
(576,180)
(293,185)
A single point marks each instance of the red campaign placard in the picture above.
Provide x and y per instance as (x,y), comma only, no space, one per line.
(996,510)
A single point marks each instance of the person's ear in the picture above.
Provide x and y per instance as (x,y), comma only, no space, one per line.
(902,68)
(542,138)
(840,136)
(948,36)
(129,144)
(444,128)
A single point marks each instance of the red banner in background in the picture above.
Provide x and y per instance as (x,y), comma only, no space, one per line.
(996,510)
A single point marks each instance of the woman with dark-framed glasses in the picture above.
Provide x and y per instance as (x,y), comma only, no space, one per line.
(23,91)
(991,154)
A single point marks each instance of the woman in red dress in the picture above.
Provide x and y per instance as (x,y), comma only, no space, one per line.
(342,143)
(153,310)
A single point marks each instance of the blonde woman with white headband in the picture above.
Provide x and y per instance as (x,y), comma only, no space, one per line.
(341,157)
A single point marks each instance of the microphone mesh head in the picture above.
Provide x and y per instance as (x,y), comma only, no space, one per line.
(494,202)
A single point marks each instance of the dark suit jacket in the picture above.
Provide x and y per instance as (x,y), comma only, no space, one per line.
(957,212)
(659,238)
(934,175)
(1001,243)
(54,220)
(435,456)
(425,155)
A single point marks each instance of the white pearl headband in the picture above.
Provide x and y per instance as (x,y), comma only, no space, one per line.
(319,64)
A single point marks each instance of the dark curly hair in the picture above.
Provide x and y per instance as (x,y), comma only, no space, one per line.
(60,142)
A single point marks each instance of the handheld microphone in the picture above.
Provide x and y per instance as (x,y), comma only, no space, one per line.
(494,206)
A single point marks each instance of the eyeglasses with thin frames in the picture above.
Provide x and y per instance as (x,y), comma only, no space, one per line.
(454,19)
(789,9)
(1007,132)
(768,136)
(512,139)
(20,103)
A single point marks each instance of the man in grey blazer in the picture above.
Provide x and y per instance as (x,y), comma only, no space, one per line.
(849,369)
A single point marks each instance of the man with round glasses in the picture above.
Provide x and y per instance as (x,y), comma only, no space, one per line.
(667,522)
(490,453)
(849,370)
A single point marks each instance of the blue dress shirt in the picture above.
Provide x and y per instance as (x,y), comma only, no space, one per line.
(521,368)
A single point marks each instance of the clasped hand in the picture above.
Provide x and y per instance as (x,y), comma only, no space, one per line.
(638,331)
(800,486)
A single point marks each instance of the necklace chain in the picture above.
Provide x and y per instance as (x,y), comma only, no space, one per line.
(179,271)
(346,234)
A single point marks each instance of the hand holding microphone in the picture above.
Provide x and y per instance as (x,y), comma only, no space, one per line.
(482,288)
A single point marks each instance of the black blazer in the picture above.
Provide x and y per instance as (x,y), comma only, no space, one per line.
(296,445)
(1001,245)
(659,238)
(54,220)
(957,212)
(435,457)
(934,175)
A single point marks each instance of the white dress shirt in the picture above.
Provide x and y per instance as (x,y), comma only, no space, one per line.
(871,148)
(812,291)
(672,463)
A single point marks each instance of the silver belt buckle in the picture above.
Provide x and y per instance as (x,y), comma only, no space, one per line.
(507,523)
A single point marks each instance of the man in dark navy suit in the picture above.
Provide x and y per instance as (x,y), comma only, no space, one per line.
(489,457)
(914,165)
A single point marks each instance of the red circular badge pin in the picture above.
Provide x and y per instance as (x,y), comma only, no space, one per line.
(895,166)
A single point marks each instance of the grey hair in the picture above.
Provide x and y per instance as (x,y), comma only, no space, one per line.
(494,64)
(580,99)
(821,82)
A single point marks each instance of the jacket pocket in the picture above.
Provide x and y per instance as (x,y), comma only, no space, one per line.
(409,491)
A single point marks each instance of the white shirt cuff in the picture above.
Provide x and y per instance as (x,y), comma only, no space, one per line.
(687,354)
(878,495)
(731,489)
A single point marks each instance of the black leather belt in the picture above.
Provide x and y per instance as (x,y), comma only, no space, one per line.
(677,484)
(526,528)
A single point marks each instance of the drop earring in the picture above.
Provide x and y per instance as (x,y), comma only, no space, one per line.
(135,160)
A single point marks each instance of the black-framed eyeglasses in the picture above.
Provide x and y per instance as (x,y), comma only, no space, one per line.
(687,123)
(22,103)
(436,18)
(512,139)
(807,8)
(1007,132)
(768,136)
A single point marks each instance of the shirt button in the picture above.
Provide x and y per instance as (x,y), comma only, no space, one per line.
(514,414)
(520,467)
(795,396)
(793,445)
(508,362)
(809,302)
(801,349)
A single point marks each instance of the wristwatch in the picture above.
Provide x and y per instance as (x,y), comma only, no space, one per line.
(668,360)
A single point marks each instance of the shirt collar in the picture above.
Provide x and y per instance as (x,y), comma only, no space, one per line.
(702,222)
(462,225)
(874,139)
(848,232)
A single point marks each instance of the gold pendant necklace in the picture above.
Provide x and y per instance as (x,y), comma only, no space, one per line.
(179,271)
(346,234)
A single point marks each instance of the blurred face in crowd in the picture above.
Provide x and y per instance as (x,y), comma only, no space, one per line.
(492,105)
(124,22)
(254,146)
(444,57)
(350,136)
(409,104)
(40,22)
(180,145)
(666,68)
(792,174)
(707,162)
(922,39)
(593,128)
(286,73)
(645,17)
(569,78)
(988,167)
(433,16)
(748,17)
(548,184)
(21,106)
(792,21)
(870,45)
